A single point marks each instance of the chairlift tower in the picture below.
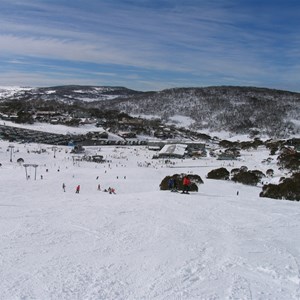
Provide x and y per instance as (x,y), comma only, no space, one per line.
(30,165)
(11,147)
(54,149)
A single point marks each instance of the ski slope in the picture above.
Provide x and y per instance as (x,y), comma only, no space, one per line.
(141,243)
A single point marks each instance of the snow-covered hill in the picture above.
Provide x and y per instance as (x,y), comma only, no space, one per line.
(7,92)
(68,94)
(232,109)
(141,243)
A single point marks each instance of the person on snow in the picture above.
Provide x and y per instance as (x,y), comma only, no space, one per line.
(186,183)
(171,184)
(111,190)
(77,189)
(64,187)
(175,188)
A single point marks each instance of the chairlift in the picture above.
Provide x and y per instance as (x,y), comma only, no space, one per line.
(28,168)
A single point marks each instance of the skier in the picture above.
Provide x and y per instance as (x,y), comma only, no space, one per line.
(99,188)
(77,189)
(64,187)
(186,183)
(111,190)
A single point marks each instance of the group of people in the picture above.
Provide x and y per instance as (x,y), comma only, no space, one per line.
(186,182)
(172,185)
(110,190)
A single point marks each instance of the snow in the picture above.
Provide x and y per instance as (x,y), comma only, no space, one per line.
(146,117)
(181,121)
(50,92)
(100,98)
(7,91)
(178,120)
(15,88)
(57,128)
(233,137)
(141,243)
(296,123)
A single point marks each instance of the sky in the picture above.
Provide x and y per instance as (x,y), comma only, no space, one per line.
(150,44)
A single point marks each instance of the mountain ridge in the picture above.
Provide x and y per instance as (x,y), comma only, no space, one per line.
(237,109)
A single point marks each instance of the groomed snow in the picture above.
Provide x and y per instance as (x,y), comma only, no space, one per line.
(62,129)
(141,243)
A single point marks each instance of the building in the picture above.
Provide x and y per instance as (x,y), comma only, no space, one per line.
(172,151)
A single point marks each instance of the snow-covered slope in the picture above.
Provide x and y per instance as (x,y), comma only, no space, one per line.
(233,109)
(10,91)
(141,243)
(62,129)
(68,94)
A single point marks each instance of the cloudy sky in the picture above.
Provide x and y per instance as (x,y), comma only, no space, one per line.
(150,44)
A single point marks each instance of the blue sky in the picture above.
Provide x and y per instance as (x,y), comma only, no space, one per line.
(150,44)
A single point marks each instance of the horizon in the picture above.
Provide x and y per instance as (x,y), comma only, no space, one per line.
(145,91)
(150,45)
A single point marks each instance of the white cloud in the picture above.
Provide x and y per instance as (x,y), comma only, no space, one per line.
(200,38)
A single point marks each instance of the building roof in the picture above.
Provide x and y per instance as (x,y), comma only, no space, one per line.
(173,150)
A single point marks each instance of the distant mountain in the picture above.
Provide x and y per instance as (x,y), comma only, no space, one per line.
(68,93)
(227,108)
(9,91)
